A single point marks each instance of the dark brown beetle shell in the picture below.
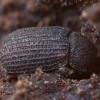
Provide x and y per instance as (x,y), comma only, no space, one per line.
(26,49)
(83,54)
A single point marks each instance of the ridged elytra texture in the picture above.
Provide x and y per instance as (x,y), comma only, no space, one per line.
(26,49)
(82,53)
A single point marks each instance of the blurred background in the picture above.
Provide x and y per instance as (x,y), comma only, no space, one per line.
(15,14)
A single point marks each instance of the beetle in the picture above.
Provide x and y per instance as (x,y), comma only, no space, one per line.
(49,48)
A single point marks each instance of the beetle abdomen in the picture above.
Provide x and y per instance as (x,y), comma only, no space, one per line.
(82,53)
(26,49)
